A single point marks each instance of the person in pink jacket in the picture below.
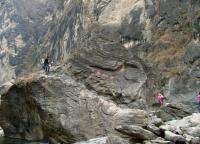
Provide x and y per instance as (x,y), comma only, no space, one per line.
(198,101)
(160,99)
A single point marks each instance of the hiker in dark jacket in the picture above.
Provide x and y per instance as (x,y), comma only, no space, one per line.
(46,64)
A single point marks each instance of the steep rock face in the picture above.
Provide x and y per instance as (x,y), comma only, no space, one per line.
(149,34)
(93,48)
(57,107)
(23,24)
(108,36)
(116,55)
(63,33)
(80,22)
(113,72)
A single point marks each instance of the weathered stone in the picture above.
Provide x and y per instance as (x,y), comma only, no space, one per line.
(122,83)
(75,114)
(95,141)
(118,54)
(192,53)
(174,137)
(184,130)
(154,120)
(154,129)
(193,131)
(188,137)
(194,72)
(174,111)
(23,23)
(4,87)
(128,117)
(188,125)
(195,140)
(136,132)
(112,139)
(157,141)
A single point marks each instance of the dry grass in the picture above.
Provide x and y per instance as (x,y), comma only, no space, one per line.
(157,34)
(166,38)
(169,72)
(169,58)
(26,78)
(171,53)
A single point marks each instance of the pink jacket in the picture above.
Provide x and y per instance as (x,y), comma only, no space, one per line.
(160,97)
(198,98)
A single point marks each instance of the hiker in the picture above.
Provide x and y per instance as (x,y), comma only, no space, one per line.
(198,101)
(46,64)
(160,98)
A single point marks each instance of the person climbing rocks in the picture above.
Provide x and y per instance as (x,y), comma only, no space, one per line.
(198,101)
(160,98)
(46,64)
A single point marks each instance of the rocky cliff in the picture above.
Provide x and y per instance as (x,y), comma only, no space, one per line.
(59,109)
(110,58)
(156,40)
(23,24)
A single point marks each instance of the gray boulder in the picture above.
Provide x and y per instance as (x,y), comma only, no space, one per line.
(154,129)
(101,140)
(113,139)
(174,137)
(154,120)
(186,129)
(135,132)
(173,110)
(157,141)
(59,107)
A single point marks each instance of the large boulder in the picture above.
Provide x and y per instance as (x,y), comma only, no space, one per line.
(172,111)
(186,129)
(157,141)
(58,107)
(136,132)
(119,52)
(153,124)
(101,140)
(154,120)
(174,137)
(154,129)
(113,139)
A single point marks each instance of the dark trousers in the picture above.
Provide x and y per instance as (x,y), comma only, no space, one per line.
(46,67)
(199,107)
